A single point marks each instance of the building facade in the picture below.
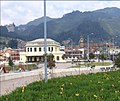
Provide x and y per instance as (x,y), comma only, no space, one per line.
(35,51)
(74,52)
(10,53)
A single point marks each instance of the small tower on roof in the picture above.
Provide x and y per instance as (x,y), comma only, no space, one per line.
(81,42)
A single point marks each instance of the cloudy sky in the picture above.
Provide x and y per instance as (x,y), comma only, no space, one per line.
(21,12)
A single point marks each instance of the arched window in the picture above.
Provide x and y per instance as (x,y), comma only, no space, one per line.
(57,57)
(35,49)
(39,49)
(30,49)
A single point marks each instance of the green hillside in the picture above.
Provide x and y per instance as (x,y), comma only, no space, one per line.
(104,23)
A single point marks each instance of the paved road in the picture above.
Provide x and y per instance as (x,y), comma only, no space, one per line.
(10,81)
(59,65)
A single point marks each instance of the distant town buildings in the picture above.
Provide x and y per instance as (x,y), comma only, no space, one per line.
(80,51)
(33,51)
(10,53)
(74,52)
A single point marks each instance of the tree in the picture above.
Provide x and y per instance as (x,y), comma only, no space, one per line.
(91,55)
(50,57)
(117,60)
(50,60)
(10,62)
(63,56)
(13,44)
(51,63)
(102,57)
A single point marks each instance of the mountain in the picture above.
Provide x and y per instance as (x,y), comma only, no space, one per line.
(104,23)
(5,33)
(35,22)
(5,42)
(110,10)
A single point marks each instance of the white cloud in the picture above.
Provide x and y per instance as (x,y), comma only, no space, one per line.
(21,12)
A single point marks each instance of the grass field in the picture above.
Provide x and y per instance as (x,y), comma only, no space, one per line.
(101,63)
(91,87)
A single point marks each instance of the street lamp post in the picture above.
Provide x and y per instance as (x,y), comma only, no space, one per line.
(71,47)
(113,41)
(45,42)
(88,44)
(113,47)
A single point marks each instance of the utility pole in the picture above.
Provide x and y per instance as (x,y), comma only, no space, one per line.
(71,49)
(45,42)
(88,46)
(113,47)
(88,42)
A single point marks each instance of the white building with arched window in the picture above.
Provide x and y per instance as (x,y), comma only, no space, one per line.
(35,51)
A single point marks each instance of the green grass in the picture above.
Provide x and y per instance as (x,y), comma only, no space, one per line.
(101,63)
(91,87)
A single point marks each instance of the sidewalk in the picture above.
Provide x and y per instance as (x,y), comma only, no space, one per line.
(9,82)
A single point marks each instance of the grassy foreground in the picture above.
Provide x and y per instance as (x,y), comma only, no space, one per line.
(91,87)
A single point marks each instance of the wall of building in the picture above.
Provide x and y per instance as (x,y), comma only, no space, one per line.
(36,53)
(23,57)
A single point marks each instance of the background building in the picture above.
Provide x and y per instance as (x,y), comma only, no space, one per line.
(35,51)
(74,52)
(10,53)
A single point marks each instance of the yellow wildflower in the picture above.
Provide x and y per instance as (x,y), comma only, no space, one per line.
(61,93)
(95,96)
(22,90)
(23,87)
(107,78)
(113,85)
(62,84)
(6,99)
(117,91)
(70,83)
(61,89)
(77,94)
